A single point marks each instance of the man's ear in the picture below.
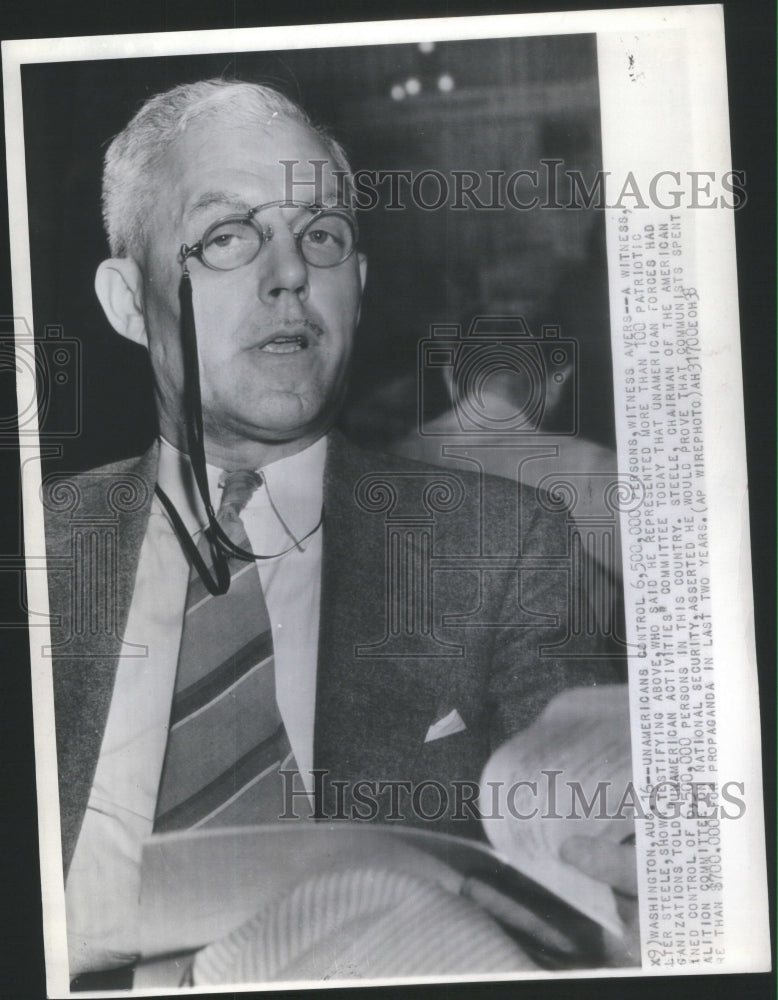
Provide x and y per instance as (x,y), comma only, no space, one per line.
(119,287)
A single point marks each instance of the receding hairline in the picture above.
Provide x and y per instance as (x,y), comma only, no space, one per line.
(265,132)
(237,201)
(233,104)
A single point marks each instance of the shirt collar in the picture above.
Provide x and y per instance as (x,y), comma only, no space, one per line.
(294,488)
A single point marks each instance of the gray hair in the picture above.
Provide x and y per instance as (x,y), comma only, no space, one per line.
(133,155)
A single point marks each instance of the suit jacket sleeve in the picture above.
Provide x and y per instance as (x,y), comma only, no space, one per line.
(570,644)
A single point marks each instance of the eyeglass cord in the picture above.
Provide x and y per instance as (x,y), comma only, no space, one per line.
(218,582)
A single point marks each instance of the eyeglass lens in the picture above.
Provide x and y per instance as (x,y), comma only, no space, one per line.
(326,240)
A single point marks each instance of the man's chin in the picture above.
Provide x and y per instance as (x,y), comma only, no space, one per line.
(286,428)
(278,417)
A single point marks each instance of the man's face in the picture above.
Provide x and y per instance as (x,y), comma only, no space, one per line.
(274,335)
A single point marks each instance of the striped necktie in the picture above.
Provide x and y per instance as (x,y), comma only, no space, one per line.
(226,740)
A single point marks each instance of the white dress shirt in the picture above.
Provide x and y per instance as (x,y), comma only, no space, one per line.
(103,885)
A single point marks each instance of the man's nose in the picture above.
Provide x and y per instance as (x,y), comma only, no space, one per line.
(282,268)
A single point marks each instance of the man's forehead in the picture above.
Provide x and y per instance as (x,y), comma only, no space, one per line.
(219,162)
(265,142)
(207,200)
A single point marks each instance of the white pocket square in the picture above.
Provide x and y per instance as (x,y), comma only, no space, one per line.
(447,726)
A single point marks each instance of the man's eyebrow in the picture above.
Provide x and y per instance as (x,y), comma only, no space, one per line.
(224,199)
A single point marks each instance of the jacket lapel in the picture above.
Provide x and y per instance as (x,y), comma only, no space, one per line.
(372,713)
(95,524)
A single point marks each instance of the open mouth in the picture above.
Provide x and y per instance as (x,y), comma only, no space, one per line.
(285,344)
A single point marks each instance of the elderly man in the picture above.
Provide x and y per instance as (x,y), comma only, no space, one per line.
(255,630)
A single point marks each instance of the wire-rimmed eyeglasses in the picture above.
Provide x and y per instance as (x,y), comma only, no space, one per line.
(327,238)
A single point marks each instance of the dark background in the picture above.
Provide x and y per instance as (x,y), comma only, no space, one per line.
(751,68)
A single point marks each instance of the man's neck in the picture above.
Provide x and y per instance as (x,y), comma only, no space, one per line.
(254,454)
(240,454)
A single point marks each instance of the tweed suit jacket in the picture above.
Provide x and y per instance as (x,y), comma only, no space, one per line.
(439,591)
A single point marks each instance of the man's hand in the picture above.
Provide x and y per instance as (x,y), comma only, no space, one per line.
(613,864)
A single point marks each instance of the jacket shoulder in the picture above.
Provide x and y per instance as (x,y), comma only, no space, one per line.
(352,463)
(120,488)
(510,516)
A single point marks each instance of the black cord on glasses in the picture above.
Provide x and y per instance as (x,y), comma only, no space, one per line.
(221,545)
